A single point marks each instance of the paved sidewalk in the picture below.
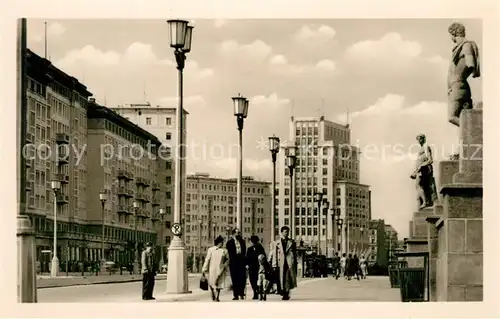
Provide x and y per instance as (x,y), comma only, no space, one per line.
(91,279)
(315,289)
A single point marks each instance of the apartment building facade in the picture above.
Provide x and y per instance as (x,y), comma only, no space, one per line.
(56,141)
(123,161)
(59,117)
(324,158)
(211,210)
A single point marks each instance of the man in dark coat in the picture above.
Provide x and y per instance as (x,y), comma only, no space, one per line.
(253,253)
(336,265)
(236,249)
(148,272)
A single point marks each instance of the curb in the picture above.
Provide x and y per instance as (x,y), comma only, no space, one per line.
(71,284)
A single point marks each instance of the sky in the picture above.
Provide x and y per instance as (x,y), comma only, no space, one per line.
(389,75)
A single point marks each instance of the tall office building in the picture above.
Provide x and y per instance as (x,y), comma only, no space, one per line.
(211,210)
(326,163)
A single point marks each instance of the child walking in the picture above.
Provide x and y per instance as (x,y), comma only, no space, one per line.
(263,278)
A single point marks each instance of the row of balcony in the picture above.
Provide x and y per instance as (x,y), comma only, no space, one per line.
(139,212)
(61,138)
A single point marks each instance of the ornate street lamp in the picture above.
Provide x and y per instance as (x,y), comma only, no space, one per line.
(177,280)
(240,105)
(318,198)
(274,147)
(103,197)
(54,268)
(135,205)
(291,159)
(162,239)
(362,230)
(326,205)
(339,228)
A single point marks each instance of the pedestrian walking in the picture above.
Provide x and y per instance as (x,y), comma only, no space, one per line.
(343,264)
(364,267)
(215,267)
(355,266)
(284,258)
(148,272)
(253,255)
(264,274)
(349,265)
(236,249)
(273,287)
(336,265)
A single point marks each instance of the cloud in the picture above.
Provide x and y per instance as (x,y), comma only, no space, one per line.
(54,29)
(385,131)
(192,67)
(190,102)
(391,47)
(256,49)
(280,64)
(308,32)
(219,23)
(227,168)
(269,101)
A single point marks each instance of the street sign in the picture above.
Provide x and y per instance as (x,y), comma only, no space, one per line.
(176,229)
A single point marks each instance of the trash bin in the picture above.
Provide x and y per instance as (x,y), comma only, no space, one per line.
(412,284)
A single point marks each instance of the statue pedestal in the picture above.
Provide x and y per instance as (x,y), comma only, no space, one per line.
(417,242)
(455,240)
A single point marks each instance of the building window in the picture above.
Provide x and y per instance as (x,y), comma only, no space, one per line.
(168,121)
(168,136)
(168,180)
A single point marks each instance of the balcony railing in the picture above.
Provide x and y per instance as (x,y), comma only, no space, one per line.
(142,181)
(123,209)
(123,174)
(155,186)
(62,199)
(62,138)
(29,186)
(155,202)
(30,138)
(63,178)
(143,197)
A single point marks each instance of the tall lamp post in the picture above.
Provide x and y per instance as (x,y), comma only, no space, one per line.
(362,230)
(197,249)
(162,240)
(177,279)
(240,105)
(290,163)
(335,234)
(319,199)
(339,233)
(274,147)
(54,268)
(326,203)
(103,197)
(136,238)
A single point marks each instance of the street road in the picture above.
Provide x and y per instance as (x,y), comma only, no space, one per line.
(316,289)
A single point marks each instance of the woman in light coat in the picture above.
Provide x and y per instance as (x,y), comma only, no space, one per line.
(363,266)
(215,267)
(284,258)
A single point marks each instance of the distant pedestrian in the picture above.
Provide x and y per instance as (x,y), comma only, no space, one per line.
(349,266)
(236,248)
(284,258)
(355,266)
(336,265)
(215,267)
(253,253)
(343,264)
(148,272)
(364,267)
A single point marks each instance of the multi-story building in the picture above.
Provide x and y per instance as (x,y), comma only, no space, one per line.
(326,163)
(378,251)
(69,134)
(211,210)
(123,161)
(352,201)
(56,126)
(391,237)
